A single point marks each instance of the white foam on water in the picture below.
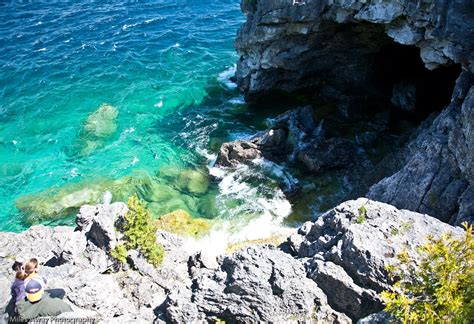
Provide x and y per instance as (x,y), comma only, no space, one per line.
(129,130)
(148,21)
(74,172)
(41,49)
(126,26)
(107,198)
(224,77)
(205,153)
(237,100)
(250,209)
(135,160)
(227,233)
(289,181)
(159,104)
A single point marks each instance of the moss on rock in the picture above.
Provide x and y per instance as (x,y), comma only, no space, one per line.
(274,240)
(181,223)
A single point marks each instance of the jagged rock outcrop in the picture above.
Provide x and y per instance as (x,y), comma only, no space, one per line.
(347,249)
(330,271)
(254,284)
(295,136)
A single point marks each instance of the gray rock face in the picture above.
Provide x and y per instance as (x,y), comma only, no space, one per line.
(287,135)
(78,262)
(254,284)
(233,153)
(99,222)
(346,250)
(334,153)
(289,45)
(434,172)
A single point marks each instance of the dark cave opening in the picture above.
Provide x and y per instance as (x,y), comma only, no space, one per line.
(413,91)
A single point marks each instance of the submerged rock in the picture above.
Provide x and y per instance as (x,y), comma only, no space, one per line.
(180,222)
(97,127)
(58,203)
(193,181)
(101,123)
(54,204)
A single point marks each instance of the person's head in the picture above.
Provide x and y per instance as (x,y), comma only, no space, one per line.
(34,289)
(31,266)
(20,273)
(19,261)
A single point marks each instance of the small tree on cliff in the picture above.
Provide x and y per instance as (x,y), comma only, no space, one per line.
(440,289)
(139,233)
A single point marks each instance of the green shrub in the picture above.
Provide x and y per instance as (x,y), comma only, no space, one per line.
(440,289)
(140,232)
(119,252)
(362,215)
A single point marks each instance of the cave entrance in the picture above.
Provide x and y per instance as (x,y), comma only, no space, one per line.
(413,91)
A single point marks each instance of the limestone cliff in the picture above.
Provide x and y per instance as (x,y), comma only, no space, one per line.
(290,44)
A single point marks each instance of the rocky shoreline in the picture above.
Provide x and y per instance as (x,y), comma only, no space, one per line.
(330,271)
(333,269)
(365,58)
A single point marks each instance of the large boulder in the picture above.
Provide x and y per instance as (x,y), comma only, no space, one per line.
(239,152)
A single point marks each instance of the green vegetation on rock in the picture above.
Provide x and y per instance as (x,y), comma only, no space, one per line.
(119,252)
(362,215)
(181,223)
(439,288)
(140,232)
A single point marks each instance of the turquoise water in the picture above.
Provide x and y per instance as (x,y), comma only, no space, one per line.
(161,65)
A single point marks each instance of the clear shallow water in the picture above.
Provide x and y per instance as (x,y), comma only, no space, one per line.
(163,68)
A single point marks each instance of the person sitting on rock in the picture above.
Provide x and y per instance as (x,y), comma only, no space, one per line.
(37,303)
(17,288)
